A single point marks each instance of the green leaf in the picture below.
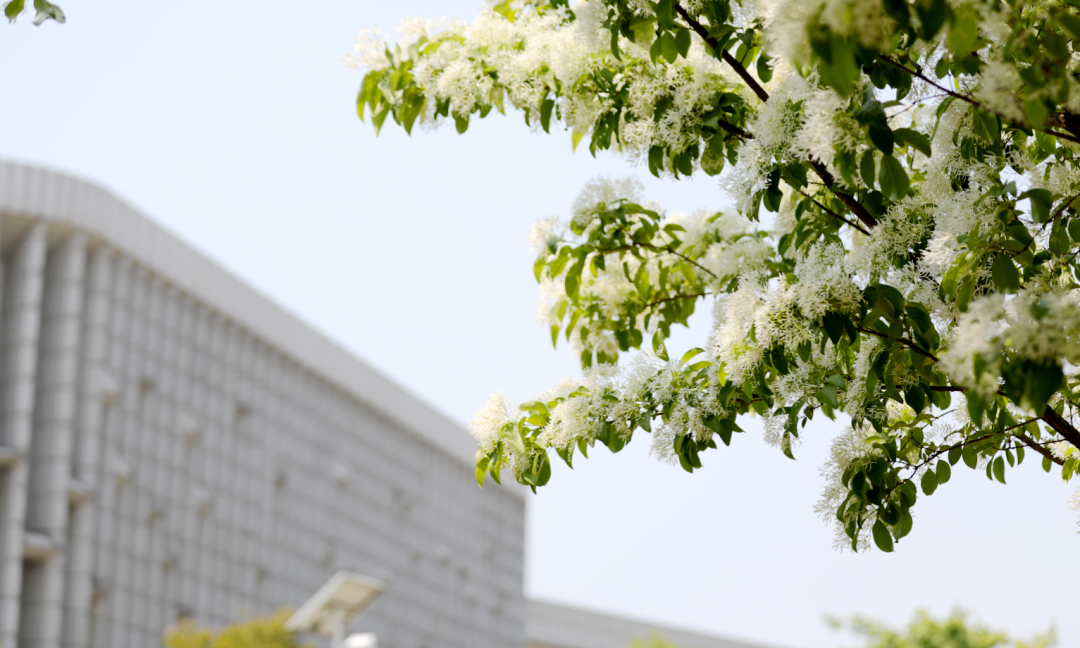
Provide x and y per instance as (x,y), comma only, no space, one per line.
(834,326)
(669,49)
(712,162)
(882,537)
(999,469)
(47,10)
(764,72)
(482,462)
(546,107)
(965,292)
(1041,382)
(1036,111)
(986,126)
(1004,273)
(1070,24)
(829,393)
(779,358)
(894,180)
(915,398)
(692,353)
(929,482)
(461,123)
(963,32)
(932,16)
(920,317)
(971,458)
(866,168)
(505,9)
(682,41)
(943,472)
(658,346)
(914,139)
(893,296)
(14,8)
(882,138)
(663,14)
(1041,201)
(1074,229)
(1059,242)
(954,455)
(573,279)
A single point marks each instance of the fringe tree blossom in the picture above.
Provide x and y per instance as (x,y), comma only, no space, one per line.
(920,279)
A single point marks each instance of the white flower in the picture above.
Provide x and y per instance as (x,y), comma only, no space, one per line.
(489,423)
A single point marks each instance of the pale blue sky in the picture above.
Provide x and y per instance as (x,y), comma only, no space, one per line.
(233,124)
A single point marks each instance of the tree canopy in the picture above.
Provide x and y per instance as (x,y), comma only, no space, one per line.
(901,256)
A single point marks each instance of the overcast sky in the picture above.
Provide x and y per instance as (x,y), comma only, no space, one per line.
(233,124)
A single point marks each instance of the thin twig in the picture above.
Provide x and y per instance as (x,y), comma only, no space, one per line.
(834,214)
(957,95)
(906,342)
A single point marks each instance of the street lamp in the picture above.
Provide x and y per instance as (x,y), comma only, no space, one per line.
(330,610)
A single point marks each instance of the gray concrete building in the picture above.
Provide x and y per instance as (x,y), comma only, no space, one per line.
(173,444)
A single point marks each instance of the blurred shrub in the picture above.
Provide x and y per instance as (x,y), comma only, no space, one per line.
(654,640)
(956,631)
(263,632)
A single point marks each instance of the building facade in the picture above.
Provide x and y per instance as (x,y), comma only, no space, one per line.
(172,444)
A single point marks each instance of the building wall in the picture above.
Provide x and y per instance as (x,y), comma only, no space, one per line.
(173,444)
(549,625)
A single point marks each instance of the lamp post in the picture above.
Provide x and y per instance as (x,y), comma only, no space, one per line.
(330,610)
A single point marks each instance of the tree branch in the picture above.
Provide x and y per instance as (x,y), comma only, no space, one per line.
(834,214)
(1062,426)
(906,342)
(1059,212)
(675,297)
(957,95)
(854,206)
(1034,445)
(750,81)
(849,201)
(734,130)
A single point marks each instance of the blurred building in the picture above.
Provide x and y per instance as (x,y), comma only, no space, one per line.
(173,444)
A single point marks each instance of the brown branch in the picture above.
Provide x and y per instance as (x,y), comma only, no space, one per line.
(906,342)
(656,248)
(834,214)
(1059,212)
(1037,447)
(957,95)
(727,58)
(849,201)
(676,297)
(734,130)
(1062,426)
(854,206)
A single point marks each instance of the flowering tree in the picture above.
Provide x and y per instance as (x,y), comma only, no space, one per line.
(902,252)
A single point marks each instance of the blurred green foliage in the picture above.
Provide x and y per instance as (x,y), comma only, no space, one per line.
(956,631)
(262,632)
